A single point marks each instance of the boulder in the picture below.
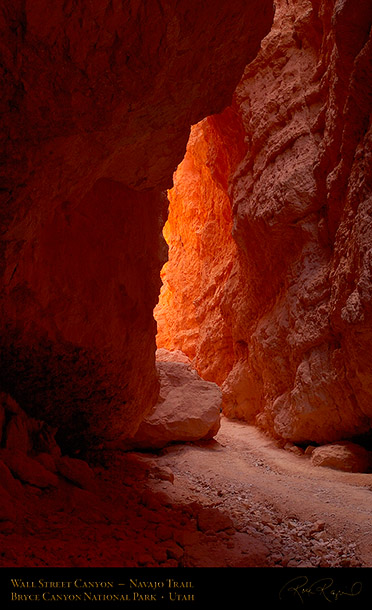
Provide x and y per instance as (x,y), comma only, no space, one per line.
(344,455)
(188,409)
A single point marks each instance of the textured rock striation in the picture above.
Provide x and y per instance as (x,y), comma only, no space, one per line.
(296,305)
(97,103)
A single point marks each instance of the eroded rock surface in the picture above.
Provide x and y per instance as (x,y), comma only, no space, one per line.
(295,297)
(97,103)
(305,178)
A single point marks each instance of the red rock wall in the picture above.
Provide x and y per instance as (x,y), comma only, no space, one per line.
(97,101)
(201,248)
(77,303)
(297,303)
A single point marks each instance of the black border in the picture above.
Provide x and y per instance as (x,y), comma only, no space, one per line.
(245,588)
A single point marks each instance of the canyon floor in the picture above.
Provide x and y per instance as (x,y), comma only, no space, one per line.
(236,501)
(295,514)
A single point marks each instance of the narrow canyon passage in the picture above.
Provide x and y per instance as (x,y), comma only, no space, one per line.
(226,422)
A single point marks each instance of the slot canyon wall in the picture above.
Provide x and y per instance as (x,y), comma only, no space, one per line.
(98,99)
(201,248)
(280,313)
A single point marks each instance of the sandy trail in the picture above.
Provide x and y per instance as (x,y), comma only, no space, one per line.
(236,501)
(303,515)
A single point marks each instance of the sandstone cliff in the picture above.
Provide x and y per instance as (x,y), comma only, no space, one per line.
(201,248)
(97,102)
(295,297)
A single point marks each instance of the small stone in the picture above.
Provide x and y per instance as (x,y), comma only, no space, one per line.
(164,532)
(304,564)
(160,554)
(187,537)
(318,526)
(295,450)
(320,536)
(163,473)
(145,559)
(174,551)
(212,519)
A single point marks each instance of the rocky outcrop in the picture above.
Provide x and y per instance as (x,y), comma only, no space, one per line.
(76,308)
(97,103)
(296,305)
(188,409)
(306,112)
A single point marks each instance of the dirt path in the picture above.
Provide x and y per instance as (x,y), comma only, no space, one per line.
(291,512)
(235,501)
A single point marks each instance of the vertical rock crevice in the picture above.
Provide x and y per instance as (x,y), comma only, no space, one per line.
(294,306)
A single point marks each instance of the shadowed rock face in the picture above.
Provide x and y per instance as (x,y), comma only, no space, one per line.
(78,340)
(98,98)
(296,305)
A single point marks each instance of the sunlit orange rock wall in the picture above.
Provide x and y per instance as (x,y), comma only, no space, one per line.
(97,101)
(297,303)
(201,248)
